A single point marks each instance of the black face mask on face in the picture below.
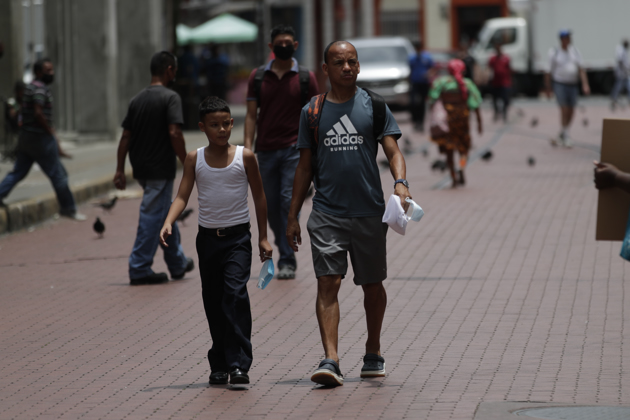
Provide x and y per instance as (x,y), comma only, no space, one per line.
(283,52)
(47,78)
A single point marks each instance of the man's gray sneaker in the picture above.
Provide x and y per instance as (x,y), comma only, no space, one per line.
(328,373)
(373,366)
(286,272)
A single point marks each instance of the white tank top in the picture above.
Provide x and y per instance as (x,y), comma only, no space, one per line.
(222,192)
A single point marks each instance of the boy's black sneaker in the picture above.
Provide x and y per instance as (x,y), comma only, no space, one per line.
(153,278)
(238,377)
(218,378)
(190,266)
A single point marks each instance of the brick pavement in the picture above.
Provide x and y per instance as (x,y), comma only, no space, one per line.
(499,294)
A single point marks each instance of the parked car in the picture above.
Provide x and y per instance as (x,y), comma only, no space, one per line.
(385,67)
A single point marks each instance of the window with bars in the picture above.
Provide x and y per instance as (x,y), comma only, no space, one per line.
(401,23)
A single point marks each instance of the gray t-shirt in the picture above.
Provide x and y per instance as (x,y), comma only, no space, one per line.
(349,179)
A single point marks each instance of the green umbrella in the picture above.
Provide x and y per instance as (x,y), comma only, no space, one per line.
(183,33)
(223,28)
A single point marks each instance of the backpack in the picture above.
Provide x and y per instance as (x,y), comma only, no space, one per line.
(314,113)
(303,74)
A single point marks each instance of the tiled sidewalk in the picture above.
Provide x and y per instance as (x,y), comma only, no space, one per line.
(499,294)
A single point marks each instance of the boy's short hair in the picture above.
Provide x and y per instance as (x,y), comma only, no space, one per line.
(212,104)
(281,30)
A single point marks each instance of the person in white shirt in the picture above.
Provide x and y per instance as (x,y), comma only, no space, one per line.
(566,71)
(223,173)
(622,72)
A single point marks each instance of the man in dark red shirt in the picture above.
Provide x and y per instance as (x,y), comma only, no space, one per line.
(501,81)
(280,100)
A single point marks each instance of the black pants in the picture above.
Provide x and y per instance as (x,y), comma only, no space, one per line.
(225,264)
(503,94)
(417,102)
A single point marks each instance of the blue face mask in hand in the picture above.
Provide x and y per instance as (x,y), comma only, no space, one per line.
(266,274)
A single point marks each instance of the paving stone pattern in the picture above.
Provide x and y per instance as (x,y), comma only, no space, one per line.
(500,293)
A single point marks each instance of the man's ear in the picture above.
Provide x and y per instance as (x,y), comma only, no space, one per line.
(201,126)
(270,45)
(295,45)
(325,68)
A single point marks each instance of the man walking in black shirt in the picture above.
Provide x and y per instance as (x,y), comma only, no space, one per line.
(153,137)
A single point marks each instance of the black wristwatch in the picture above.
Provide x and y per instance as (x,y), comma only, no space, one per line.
(401,181)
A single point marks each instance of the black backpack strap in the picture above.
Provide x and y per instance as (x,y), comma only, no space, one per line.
(314,114)
(305,81)
(379,112)
(258,79)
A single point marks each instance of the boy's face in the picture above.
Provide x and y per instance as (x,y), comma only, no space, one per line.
(218,127)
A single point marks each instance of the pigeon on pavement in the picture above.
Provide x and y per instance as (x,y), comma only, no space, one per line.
(407,147)
(107,205)
(487,155)
(438,165)
(182,217)
(99,227)
(424,150)
(534,122)
(531,161)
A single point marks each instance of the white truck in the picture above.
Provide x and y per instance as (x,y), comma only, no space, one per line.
(597,27)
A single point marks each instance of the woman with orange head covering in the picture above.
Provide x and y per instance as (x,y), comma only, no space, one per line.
(458,95)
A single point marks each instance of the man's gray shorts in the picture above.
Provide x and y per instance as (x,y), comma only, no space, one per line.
(566,95)
(332,238)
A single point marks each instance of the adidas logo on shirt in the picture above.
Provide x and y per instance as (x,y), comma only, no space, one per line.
(343,135)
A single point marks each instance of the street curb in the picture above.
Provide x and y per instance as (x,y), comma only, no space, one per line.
(26,213)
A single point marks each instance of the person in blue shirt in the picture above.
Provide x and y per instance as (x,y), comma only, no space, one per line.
(420,64)
(215,65)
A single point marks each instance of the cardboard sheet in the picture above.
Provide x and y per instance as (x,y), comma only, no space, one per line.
(614,204)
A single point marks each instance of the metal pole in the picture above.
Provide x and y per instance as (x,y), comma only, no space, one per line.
(260,22)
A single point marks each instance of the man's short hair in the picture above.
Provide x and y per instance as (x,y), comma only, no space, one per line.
(281,30)
(38,67)
(212,104)
(333,43)
(161,61)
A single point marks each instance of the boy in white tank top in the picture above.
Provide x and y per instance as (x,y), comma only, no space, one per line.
(222,172)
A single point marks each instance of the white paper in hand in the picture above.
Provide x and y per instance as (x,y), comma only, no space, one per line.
(266,274)
(395,216)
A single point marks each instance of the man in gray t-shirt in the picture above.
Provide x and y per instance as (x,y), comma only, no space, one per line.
(346,152)
(348,205)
